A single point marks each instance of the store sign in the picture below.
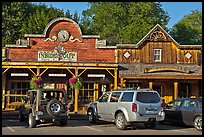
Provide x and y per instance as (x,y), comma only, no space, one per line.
(57,75)
(58,54)
(96,75)
(19,74)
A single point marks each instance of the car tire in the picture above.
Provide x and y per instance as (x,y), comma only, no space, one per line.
(31,120)
(54,107)
(198,123)
(91,116)
(120,121)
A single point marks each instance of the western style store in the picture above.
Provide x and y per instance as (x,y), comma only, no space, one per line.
(157,61)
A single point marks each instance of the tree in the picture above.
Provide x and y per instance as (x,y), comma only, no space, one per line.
(39,18)
(19,18)
(13,14)
(76,17)
(68,14)
(123,22)
(189,29)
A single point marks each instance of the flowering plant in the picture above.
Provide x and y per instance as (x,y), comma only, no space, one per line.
(36,82)
(75,82)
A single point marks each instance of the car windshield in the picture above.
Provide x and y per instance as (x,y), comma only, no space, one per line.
(148,97)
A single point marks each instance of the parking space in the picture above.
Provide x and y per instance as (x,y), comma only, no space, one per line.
(83,127)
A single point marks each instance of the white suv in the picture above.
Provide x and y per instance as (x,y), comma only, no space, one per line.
(127,106)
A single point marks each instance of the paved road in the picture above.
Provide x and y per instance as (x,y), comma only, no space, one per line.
(83,127)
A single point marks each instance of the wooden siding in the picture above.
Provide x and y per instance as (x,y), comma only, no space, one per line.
(171,53)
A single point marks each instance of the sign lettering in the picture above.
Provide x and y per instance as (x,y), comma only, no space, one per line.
(58,54)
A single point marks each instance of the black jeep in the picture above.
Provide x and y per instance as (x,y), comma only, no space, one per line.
(45,105)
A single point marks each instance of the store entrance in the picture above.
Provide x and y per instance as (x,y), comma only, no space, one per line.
(184,90)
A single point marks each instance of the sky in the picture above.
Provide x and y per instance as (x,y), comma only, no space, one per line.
(176,10)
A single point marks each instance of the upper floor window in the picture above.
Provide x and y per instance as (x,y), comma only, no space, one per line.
(157,55)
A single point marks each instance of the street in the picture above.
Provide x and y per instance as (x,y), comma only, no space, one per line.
(83,127)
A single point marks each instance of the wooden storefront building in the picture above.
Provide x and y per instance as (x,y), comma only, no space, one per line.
(157,62)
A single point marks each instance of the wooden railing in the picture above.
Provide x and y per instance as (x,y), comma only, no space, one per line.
(9,104)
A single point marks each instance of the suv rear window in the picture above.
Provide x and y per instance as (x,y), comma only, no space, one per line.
(127,97)
(148,97)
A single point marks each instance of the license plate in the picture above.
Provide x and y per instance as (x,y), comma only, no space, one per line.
(151,112)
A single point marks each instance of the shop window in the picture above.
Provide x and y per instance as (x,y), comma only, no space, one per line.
(18,88)
(157,55)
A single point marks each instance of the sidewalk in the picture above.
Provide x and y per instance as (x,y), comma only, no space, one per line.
(11,114)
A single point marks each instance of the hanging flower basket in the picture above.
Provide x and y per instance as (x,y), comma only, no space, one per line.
(36,82)
(75,82)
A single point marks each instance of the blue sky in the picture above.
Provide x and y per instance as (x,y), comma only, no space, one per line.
(176,10)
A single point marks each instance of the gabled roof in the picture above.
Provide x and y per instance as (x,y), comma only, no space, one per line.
(156,26)
(146,36)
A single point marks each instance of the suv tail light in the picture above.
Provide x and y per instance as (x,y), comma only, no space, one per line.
(134,107)
(40,111)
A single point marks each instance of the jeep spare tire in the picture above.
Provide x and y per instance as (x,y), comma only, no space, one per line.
(54,107)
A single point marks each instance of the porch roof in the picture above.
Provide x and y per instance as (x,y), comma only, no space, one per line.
(160,71)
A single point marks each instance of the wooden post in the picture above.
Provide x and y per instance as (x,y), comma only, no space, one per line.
(76,95)
(115,78)
(175,90)
(3,90)
(76,101)
(121,83)
(95,92)
(150,85)
(38,71)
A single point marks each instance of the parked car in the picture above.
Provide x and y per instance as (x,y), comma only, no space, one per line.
(45,105)
(127,106)
(187,111)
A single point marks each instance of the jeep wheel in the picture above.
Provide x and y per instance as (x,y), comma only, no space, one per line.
(32,121)
(121,122)
(54,107)
(198,123)
(91,116)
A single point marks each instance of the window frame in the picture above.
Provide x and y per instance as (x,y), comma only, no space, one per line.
(155,55)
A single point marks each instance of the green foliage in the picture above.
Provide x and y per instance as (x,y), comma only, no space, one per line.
(19,18)
(77,84)
(76,17)
(189,29)
(39,18)
(33,85)
(36,82)
(123,22)
(13,15)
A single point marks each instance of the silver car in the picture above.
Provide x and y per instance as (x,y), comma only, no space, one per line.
(127,106)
